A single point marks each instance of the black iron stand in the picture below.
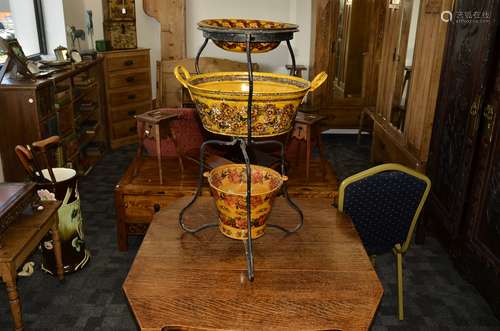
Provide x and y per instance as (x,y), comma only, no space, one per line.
(243,143)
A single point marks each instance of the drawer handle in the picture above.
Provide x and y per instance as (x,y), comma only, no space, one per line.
(132,129)
(131,96)
(128,63)
(156,207)
(132,113)
(130,79)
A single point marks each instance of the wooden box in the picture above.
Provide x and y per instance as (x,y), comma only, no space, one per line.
(121,35)
(119,24)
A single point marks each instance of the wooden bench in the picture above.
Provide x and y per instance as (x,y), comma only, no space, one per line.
(19,241)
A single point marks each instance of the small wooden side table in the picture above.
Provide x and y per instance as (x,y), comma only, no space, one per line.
(19,241)
(306,127)
(154,122)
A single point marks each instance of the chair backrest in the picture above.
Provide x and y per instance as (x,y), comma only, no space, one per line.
(384,203)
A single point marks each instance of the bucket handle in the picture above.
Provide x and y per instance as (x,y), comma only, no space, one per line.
(182,75)
(318,80)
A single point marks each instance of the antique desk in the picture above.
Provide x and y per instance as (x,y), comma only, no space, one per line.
(319,278)
(68,104)
(19,240)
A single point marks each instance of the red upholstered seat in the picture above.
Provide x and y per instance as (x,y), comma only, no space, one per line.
(189,133)
(187,129)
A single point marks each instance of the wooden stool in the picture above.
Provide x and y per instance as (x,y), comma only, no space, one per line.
(154,121)
(19,241)
(298,70)
(305,128)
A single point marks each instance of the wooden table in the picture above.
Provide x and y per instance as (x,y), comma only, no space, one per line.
(317,279)
(19,241)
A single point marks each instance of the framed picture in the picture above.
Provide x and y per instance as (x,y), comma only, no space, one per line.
(15,58)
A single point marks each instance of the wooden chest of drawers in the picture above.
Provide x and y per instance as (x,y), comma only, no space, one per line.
(128,92)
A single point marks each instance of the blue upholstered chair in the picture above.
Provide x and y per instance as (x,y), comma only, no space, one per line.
(384,203)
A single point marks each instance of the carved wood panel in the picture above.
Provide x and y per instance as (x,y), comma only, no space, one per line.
(480,260)
(463,81)
(465,158)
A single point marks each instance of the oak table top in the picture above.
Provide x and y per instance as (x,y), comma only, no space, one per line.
(319,278)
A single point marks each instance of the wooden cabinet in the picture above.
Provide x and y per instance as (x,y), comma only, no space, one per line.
(128,92)
(69,104)
(464,162)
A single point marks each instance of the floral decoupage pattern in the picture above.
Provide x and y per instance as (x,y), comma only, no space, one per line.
(228,186)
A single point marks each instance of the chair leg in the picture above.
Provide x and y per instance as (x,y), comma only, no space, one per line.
(361,123)
(399,262)
(58,251)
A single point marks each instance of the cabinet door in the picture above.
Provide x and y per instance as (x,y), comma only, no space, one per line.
(466,68)
(480,258)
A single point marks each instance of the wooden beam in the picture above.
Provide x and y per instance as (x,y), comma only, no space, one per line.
(172,16)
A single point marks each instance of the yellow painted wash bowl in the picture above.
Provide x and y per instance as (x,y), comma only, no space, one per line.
(221,99)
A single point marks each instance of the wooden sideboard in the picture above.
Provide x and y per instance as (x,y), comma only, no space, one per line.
(128,92)
(69,103)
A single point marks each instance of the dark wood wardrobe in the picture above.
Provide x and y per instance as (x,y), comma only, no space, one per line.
(464,162)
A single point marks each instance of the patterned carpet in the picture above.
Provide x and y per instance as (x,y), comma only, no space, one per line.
(437,298)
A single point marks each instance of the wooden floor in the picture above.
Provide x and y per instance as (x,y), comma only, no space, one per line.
(322,182)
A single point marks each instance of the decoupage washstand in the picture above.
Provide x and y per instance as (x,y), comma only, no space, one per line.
(244,106)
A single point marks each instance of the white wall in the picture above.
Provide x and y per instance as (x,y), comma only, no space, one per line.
(53,16)
(23,15)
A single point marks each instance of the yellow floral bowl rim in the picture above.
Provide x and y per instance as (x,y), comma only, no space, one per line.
(274,25)
(209,174)
(186,79)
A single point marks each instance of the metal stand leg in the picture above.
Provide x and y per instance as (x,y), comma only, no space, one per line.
(243,146)
(196,63)
(248,243)
(294,65)
(200,185)
(284,188)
